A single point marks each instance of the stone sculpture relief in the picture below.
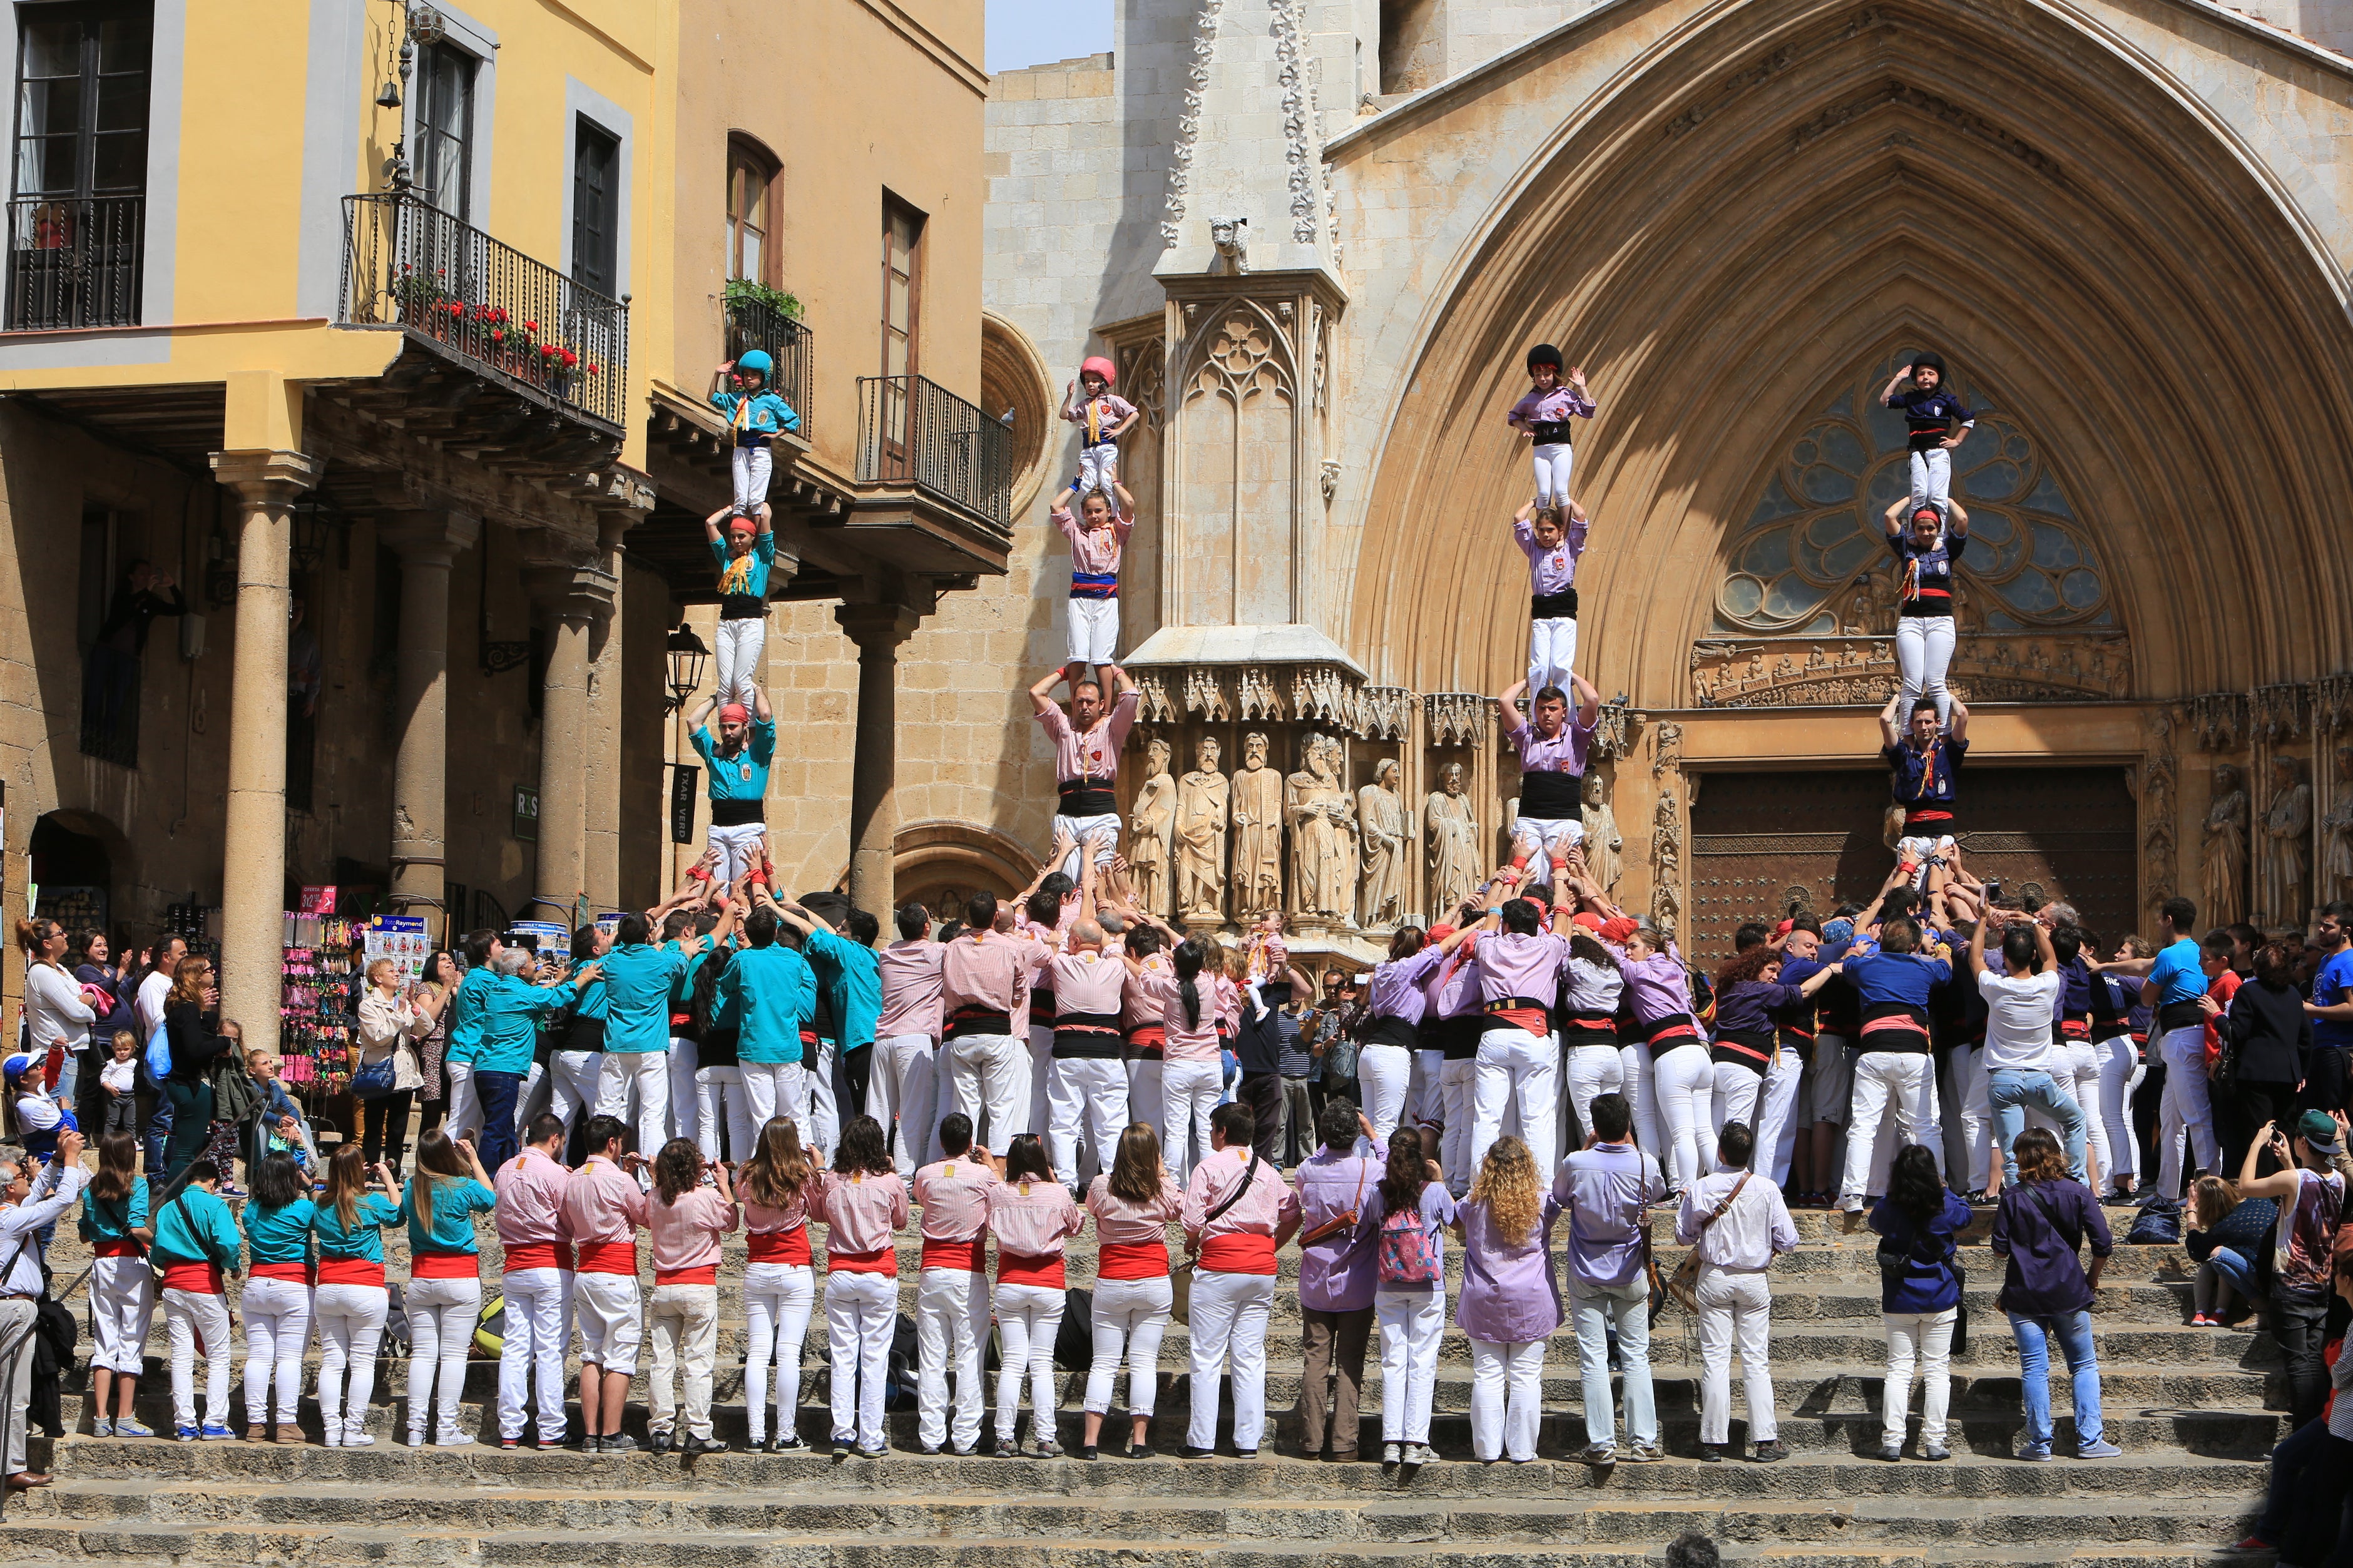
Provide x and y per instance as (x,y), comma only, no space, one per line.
(2288,842)
(2337,834)
(1151,822)
(1453,844)
(2157,808)
(1603,842)
(1231,236)
(1380,818)
(1322,848)
(1257,831)
(2223,879)
(1204,805)
(1666,862)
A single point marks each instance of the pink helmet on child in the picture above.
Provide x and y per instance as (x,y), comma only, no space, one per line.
(1102,367)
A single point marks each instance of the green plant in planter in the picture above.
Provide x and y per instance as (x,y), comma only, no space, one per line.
(743,291)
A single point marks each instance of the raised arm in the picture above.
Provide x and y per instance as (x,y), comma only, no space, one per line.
(1510,702)
(1959,727)
(1887,393)
(710,523)
(760,708)
(1889,735)
(1977,947)
(1041,701)
(1589,700)
(702,711)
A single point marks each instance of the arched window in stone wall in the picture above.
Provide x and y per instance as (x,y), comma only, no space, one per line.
(1812,557)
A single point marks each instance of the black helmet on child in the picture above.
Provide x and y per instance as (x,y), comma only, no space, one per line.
(1935,361)
(1544,354)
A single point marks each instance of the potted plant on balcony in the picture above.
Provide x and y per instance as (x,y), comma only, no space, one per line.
(426,303)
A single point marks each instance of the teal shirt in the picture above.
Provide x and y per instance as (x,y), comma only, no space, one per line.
(282,1235)
(374,1211)
(745,776)
(112,1219)
(852,977)
(769,990)
(511,1008)
(592,1002)
(751,579)
(197,1227)
(639,981)
(768,415)
(465,1014)
(456,1201)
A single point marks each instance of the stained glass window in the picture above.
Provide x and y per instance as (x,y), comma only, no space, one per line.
(1812,556)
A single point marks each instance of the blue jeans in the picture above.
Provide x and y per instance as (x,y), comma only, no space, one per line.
(498,1091)
(159,1133)
(2074,1333)
(2236,1272)
(2011,1091)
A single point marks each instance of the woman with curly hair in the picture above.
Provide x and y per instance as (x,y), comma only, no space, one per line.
(1510,1302)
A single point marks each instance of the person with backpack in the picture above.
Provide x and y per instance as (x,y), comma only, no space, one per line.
(1408,1214)
(196,1243)
(1237,1215)
(1606,1187)
(1337,1274)
(276,1301)
(1133,1204)
(2047,1292)
(1031,1214)
(1919,1223)
(351,1301)
(114,1221)
(2311,1195)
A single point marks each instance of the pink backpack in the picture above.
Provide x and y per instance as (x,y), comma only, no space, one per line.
(1409,1254)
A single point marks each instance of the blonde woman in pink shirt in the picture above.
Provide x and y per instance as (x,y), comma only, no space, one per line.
(684,1220)
(779,1287)
(1134,1203)
(1191,1074)
(1031,1214)
(861,1202)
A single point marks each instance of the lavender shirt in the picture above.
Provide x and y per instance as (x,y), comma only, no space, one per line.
(1606,1188)
(1510,1295)
(1553,570)
(1449,981)
(1396,988)
(1656,983)
(1511,964)
(1564,753)
(1339,1274)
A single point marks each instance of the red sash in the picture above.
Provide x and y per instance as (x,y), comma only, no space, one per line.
(1016,1269)
(883,1260)
(445,1266)
(351,1272)
(203,1279)
(121,1247)
(608,1258)
(1133,1260)
(1235,1253)
(532,1255)
(779,1246)
(297,1273)
(964,1255)
(702,1274)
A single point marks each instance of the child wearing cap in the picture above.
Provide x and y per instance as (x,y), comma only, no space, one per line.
(1929,413)
(754,414)
(1543,416)
(746,554)
(1103,419)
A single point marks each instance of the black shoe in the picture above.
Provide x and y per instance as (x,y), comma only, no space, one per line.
(1769,1453)
(1140,1451)
(659,1442)
(1710,1454)
(590,1443)
(1245,1453)
(1087,1452)
(1189,1452)
(694,1446)
(618,1443)
(788,1443)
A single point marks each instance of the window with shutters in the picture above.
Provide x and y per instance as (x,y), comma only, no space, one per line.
(77,209)
(445,128)
(596,207)
(750,177)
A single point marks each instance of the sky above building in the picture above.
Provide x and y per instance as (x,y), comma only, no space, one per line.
(1032,32)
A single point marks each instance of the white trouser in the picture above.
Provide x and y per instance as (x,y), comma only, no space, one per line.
(1778,1116)
(465,1116)
(441,1317)
(986,1074)
(1738,1090)
(1425,1097)
(1039,1068)
(18,1318)
(1932,478)
(1637,1080)
(1683,1086)
(1188,1093)
(824,1110)
(1517,1069)
(739,646)
(1553,461)
(1132,1315)
(1229,1315)
(718,1101)
(1735,1306)
(2186,1108)
(1592,1071)
(537,1333)
(1101,830)
(685,1056)
(2121,1070)
(1099,469)
(1457,1085)
(1900,1085)
(1542,840)
(1146,1095)
(189,1316)
(1085,1096)
(778,1298)
(2077,1070)
(1926,1338)
(750,467)
(605,1309)
(1973,1111)
(578,1076)
(121,1306)
(1831,1077)
(1094,630)
(1923,652)
(277,1314)
(1412,1323)
(351,1329)
(736,847)
(1594,1308)
(1506,1398)
(898,1094)
(951,1333)
(859,1309)
(773,1089)
(1551,654)
(1385,1072)
(644,1075)
(1028,1318)
(683,1320)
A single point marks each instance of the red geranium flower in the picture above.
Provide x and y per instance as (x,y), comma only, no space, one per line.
(592,370)
(570,358)
(531,326)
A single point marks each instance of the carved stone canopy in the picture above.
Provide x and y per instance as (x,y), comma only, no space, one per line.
(1841,671)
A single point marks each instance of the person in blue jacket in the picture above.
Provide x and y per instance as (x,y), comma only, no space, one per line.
(196,1242)
(851,976)
(639,981)
(1895,1073)
(755,413)
(1919,1223)
(769,992)
(444,1299)
(512,1007)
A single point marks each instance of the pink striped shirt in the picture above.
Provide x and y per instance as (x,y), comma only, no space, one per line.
(1119,1223)
(1139,1005)
(1033,1223)
(530,1189)
(685,1234)
(861,1213)
(603,1203)
(912,987)
(955,1195)
(1086,982)
(1197,1043)
(1095,754)
(1094,550)
(1268,1208)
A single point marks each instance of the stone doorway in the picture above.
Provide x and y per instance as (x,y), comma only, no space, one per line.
(1762,841)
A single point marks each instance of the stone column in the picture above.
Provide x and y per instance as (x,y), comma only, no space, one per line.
(878,630)
(574,593)
(602,876)
(427,542)
(253,840)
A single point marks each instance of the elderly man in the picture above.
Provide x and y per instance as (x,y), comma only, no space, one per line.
(30,1201)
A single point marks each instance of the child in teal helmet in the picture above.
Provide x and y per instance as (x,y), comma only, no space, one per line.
(754,414)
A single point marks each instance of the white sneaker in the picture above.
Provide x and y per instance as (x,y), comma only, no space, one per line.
(334,1436)
(356,1438)
(451,1437)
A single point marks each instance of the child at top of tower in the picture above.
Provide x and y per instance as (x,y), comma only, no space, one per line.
(1553,539)
(1543,416)
(1104,418)
(1929,412)
(754,414)
(1097,537)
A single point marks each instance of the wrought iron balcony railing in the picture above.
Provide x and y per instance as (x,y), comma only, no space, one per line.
(74,261)
(752,324)
(409,264)
(912,431)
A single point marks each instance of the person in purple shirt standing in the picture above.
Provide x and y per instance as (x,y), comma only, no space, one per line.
(1518,1062)
(1606,1186)
(1553,752)
(1337,1238)
(1510,1302)
(1552,537)
(2047,1292)
(1393,1017)
(1682,1080)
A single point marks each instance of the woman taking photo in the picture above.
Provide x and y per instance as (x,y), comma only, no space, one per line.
(351,1303)
(2311,1195)
(192,1030)
(1511,1301)
(779,1287)
(2047,1292)
(276,1304)
(861,1202)
(439,985)
(1919,1296)
(444,1299)
(685,1221)
(1133,1204)
(2228,1245)
(393,1017)
(1031,1215)
(58,1017)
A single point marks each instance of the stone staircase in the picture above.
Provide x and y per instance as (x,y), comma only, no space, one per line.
(2196,1410)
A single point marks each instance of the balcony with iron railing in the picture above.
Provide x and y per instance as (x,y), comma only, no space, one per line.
(74,262)
(407,264)
(913,432)
(755,323)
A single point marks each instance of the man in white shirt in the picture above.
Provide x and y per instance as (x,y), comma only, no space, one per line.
(148,1005)
(28,1201)
(2020,1005)
(1736,1220)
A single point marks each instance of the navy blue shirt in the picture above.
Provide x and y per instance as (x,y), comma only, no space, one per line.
(2045,1276)
(1929,415)
(1927,1283)
(1903,977)
(1926,781)
(1925,577)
